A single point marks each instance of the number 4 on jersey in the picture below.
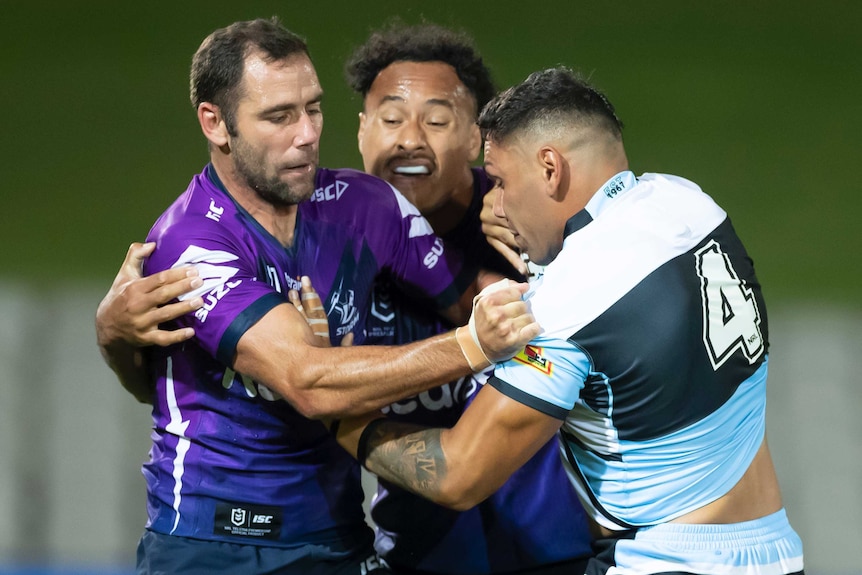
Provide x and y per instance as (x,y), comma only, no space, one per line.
(731,320)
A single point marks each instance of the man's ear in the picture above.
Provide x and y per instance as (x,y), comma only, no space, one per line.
(212,124)
(474,142)
(361,133)
(555,172)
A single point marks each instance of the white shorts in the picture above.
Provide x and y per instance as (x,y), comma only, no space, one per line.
(766,546)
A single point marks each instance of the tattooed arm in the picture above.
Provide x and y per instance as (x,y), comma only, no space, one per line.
(456,467)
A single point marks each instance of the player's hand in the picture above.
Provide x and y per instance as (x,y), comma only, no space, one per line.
(498,234)
(502,321)
(134,307)
(307,303)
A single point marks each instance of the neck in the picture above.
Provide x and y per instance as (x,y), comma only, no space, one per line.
(278,220)
(447,217)
(592,173)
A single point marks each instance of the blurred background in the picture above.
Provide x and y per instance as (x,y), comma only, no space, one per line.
(758,102)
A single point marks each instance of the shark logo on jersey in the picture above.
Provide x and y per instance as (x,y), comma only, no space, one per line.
(532,355)
(215,275)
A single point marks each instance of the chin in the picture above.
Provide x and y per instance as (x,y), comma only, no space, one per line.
(407,190)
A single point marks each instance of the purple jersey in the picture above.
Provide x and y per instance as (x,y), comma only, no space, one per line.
(231,460)
(534,519)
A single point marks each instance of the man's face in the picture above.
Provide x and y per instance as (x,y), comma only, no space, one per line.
(278,125)
(533,217)
(418,131)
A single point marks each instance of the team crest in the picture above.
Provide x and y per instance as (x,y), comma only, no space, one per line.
(532,355)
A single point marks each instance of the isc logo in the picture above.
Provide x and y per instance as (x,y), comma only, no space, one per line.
(330,192)
(261,519)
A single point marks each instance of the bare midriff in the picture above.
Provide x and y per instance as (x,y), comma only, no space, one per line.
(756,495)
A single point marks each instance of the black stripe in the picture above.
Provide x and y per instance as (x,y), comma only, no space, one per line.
(577,222)
(570,457)
(249,316)
(529,400)
(606,456)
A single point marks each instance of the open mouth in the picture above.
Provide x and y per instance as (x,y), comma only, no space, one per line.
(414,166)
(412,170)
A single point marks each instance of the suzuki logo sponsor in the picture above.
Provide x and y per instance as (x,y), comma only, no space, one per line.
(215,275)
(433,256)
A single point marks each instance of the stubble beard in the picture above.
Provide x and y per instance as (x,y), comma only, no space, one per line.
(252,168)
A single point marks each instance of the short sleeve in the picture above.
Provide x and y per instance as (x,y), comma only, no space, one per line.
(234,298)
(547,375)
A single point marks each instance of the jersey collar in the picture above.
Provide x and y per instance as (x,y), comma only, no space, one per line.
(601,200)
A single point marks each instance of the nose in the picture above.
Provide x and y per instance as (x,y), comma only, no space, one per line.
(498,203)
(308,130)
(411,136)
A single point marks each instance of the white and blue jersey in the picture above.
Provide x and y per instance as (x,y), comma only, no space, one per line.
(654,352)
(232,461)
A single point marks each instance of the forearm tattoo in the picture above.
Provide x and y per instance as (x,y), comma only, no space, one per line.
(408,456)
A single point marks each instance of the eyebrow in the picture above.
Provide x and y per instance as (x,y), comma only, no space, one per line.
(293,106)
(433,101)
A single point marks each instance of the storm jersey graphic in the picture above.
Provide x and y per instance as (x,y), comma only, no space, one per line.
(231,460)
(653,266)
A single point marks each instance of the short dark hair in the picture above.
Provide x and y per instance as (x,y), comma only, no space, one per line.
(217,66)
(548,96)
(426,42)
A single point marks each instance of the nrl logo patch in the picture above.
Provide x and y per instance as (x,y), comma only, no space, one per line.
(532,355)
(237,516)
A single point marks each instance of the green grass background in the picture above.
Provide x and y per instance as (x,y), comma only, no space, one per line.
(758,102)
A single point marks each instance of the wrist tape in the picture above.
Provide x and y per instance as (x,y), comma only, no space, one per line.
(469,344)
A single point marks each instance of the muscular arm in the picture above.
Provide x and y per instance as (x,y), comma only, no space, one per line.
(279,352)
(458,467)
(128,317)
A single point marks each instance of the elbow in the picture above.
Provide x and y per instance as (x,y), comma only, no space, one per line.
(460,499)
(308,406)
(314,404)
(312,410)
(462,490)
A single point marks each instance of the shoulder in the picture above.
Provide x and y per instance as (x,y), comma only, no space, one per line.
(202,220)
(351,191)
(678,196)
(194,213)
(350,185)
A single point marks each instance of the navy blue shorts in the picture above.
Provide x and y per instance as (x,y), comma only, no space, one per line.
(160,554)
